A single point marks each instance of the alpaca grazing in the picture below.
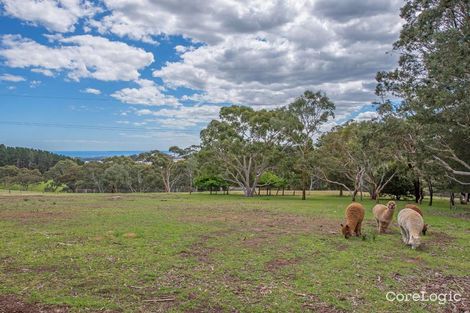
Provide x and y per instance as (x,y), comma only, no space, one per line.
(417,209)
(383,215)
(411,224)
(354,217)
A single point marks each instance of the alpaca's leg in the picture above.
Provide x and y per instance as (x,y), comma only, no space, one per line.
(353,228)
(383,226)
(378,225)
(403,235)
(408,237)
(358,228)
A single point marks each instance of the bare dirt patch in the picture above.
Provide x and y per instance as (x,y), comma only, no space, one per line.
(277,264)
(433,282)
(262,220)
(12,304)
(199,249)
(441,238)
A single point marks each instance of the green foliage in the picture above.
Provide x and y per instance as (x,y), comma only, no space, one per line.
(65,172)
(271,180)
(305,116)
(432,78)
(26,177)
(399,186)
(210,183)
(28,158)
(244,143)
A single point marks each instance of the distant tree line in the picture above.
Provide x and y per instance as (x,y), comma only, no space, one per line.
(29,158)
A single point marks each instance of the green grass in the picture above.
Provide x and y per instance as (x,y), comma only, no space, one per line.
(219,253)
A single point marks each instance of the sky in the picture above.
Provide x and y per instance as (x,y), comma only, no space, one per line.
(149,74)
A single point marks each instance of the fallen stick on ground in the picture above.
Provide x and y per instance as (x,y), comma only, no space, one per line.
(160,300)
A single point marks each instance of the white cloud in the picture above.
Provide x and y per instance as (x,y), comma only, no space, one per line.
(267,52)
(34,83)
(43,71)
(55,15)
(366,116)
(148,93)
(12,78)
(208,21)
(182,117)
(92,91)
(82,56)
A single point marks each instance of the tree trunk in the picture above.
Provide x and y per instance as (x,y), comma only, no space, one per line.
(283,190)
(354,195)
(431,192)
(304,193)
(452,200)
(249,191)
(373,194)
(340,191)
(421,194)
(417,188)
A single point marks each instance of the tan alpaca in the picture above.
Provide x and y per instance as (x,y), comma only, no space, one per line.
(411,224)
(417,209)
(383,215)
(354,217)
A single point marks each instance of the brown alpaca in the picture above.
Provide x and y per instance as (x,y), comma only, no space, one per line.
(417,209)
(383,215)
(354,217)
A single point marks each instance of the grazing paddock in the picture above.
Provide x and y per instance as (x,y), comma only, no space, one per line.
(220,253)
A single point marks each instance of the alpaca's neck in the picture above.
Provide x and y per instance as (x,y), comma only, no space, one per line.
(388,213)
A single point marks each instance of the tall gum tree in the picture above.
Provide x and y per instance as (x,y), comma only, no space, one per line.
(306,115)
(245,143)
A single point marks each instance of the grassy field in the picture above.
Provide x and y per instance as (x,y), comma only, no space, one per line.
(218,253)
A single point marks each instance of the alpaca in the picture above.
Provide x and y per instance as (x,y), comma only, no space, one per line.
(417,209)
(411,224)
(383,215)
(354,217)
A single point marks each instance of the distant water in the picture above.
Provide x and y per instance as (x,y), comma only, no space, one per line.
(96,155)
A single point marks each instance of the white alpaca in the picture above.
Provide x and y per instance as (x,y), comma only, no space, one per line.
(411,224)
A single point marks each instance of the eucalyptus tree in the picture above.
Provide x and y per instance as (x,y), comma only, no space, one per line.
(7,174)
(433,80)
(26,177)
(306,115)
(116,177)
(357,155)
(189,163)
(168,166)
(245,143)
(338,161)
(65,172)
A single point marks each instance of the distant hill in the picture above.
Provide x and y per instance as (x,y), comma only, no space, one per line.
(29,158)
(96,155)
